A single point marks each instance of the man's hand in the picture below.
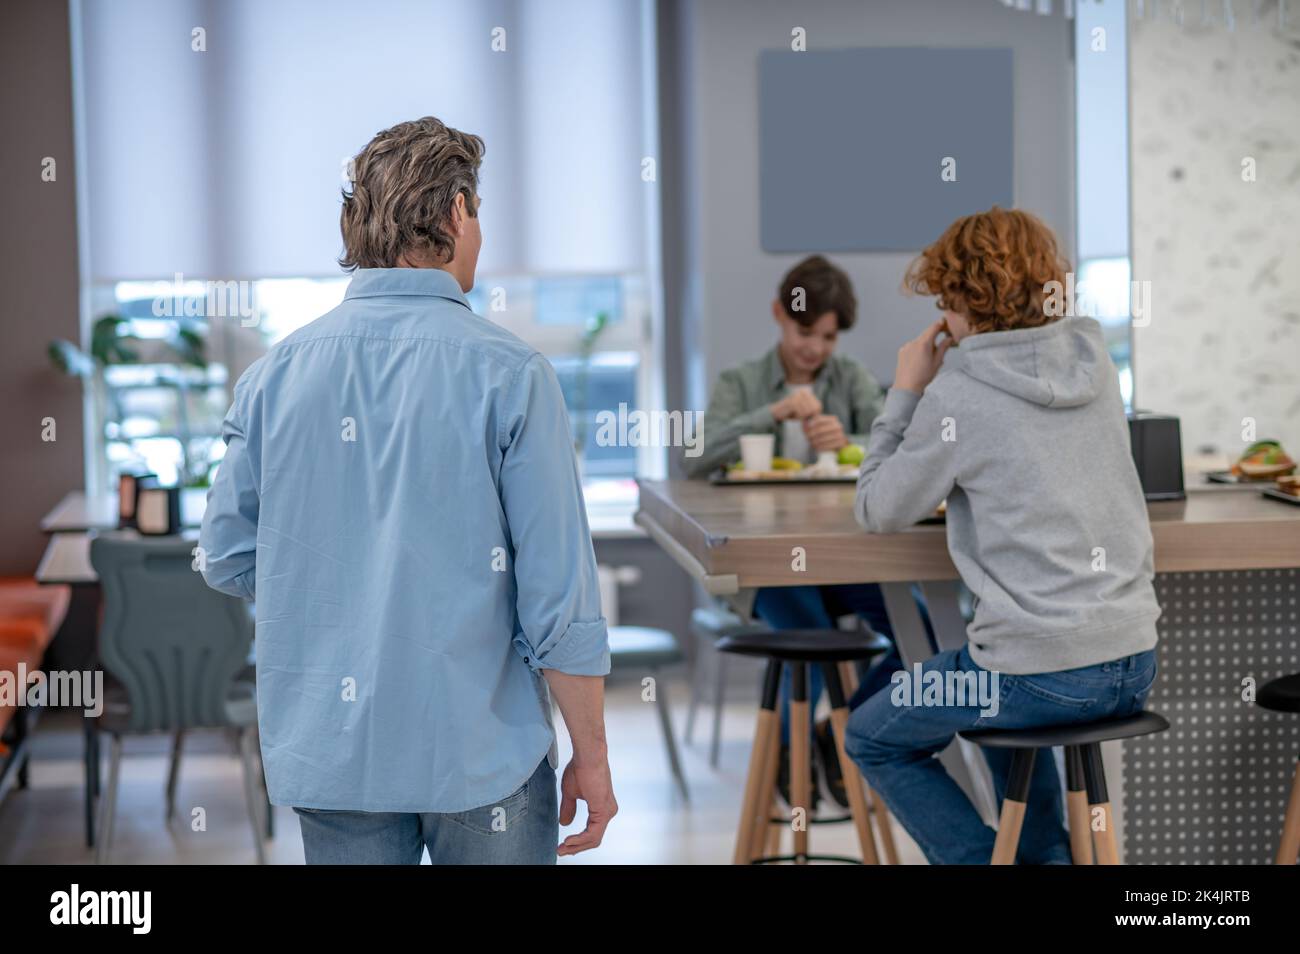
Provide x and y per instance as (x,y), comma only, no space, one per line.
(582,703)
(797,406)
(589,781)
(825,433)
(920,359)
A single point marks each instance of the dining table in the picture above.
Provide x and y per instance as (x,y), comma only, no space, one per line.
(78,517)
(1227,576)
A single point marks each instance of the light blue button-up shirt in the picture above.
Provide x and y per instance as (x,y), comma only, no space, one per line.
(400,495)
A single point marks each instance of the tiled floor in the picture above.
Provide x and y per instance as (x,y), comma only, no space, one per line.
(43,824)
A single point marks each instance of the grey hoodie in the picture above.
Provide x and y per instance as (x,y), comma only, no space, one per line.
(1024,433)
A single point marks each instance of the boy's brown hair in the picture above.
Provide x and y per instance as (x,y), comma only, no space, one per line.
(824,288)
(404,184)
(993,267)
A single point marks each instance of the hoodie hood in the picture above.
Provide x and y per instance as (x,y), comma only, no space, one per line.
(1062,364)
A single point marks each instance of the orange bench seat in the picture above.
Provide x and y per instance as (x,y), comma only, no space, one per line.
(30,615)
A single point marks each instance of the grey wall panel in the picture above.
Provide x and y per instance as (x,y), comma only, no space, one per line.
(853,143)
(724,296)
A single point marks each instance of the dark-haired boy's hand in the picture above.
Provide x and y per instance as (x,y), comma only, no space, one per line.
(825,432)
(799,405)
(920,359)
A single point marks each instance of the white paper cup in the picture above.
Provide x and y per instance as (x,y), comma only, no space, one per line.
(756,451)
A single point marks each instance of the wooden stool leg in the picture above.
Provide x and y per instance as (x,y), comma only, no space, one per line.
(765,838)
(772,841)
(800,758)
(1288,852)
(767,728)
(875,804)
(848,677)
(1076,805)
(1013,807)
(859,808)
(1103,839)
(884,827)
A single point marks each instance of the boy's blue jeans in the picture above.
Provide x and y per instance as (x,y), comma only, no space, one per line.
(521,829)
(895,747)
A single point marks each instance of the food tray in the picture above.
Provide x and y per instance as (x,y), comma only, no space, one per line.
(1281,495)
(847,474)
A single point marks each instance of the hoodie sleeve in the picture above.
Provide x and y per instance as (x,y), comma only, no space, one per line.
(911,463)
(867,399)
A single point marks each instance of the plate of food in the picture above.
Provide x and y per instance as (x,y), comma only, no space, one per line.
(1262,462)
(1286,487)
(830,468)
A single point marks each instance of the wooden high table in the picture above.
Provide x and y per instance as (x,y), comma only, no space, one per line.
(1213,788)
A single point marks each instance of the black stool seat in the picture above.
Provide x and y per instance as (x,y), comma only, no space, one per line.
(1085,779)
(806,645)
(1086,733)
(1281,695)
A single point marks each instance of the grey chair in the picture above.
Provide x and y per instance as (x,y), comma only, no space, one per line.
(641,649)
(177,648)
(710,624)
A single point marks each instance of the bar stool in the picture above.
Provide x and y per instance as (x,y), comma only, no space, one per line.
(1283,695)
(1085,780)
(833,650)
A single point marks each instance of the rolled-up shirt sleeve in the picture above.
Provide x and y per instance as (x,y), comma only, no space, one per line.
(557,589)
(228,539)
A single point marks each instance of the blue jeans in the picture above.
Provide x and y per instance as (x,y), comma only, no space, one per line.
(817,607)
(520,829)
(894,746)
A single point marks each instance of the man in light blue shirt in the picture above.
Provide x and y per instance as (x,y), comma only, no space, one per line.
(400,496)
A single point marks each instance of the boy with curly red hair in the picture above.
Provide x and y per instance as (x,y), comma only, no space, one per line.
(1014,416)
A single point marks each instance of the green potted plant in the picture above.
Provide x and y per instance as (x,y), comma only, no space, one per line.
(111,343)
